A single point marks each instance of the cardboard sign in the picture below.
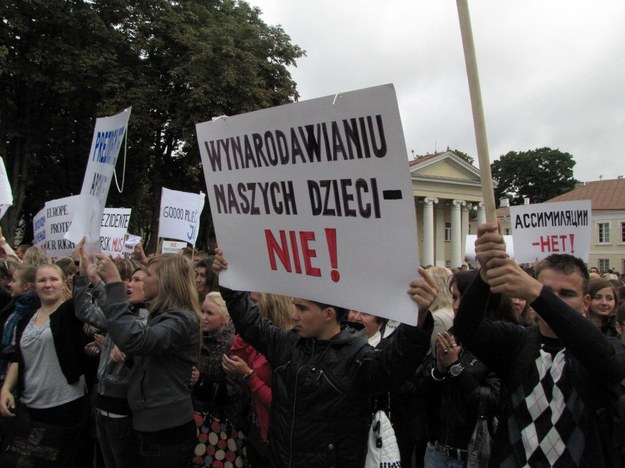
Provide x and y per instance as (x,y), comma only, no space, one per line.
(59,214)
(314,200)
(170,246)
(39,228)
(469,249)
(113,231)
(6,195)
(108,137)
(546,228)
(52,223)
(180,215)
(131,242)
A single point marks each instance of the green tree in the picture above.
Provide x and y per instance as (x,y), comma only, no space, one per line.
(462,155)
(51,80)
(539,175)
(63,63)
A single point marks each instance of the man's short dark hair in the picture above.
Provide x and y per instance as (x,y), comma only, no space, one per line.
(564,263)
(341,312)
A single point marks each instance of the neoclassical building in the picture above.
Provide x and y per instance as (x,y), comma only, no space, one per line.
(448,196)
(448,199)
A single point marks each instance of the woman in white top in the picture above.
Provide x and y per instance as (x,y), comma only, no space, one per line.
(47,368)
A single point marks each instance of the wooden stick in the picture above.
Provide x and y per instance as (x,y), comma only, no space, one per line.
(478,111)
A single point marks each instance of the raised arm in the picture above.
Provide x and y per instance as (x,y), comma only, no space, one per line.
(129,333)
(248,322)
(407,346)
(603,357)
(132,336)
(87,287)
(494,343)
(84,306)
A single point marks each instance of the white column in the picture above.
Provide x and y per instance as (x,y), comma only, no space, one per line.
(428,231)
(439,241)
(465,228)
(456,233)
(481,213)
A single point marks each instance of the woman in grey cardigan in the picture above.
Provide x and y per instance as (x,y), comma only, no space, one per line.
(117,439)
(164,351)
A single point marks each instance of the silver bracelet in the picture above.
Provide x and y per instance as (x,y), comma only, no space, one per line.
(434,377)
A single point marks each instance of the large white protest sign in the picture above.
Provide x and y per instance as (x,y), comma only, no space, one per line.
(180,215)
(59,214)
(314,200)
(543,229)
(113,233)
(52,223)
(108,137)
(6,195)
(39,228)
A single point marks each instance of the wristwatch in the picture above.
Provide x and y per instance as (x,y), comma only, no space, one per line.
(456,369)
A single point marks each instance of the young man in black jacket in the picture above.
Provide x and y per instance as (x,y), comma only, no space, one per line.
(323,375)
(557,374)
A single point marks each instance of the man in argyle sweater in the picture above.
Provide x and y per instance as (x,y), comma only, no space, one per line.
(556,374)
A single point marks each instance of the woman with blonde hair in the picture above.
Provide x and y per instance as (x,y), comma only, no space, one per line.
(218,398)
(278,309)
(252,366)
(35,256)
(442,307)
(163,351)
(48,369)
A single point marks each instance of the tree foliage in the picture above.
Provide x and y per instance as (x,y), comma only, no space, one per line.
(64,63)
(462,155)
(539,175)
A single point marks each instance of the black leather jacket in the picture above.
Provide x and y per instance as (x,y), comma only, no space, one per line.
(453,402)
(320,412)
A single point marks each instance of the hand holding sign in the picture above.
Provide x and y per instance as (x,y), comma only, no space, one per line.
(87,263)
(502,273)
(423,292)
(488,246)
(107,269)
(219,262)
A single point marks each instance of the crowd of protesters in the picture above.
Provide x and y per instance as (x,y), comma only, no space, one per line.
(146,361)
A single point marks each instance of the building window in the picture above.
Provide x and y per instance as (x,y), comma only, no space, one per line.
(604,264)
(604,233)
(623,232)
(447,232)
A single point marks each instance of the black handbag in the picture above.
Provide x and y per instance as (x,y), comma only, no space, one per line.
(481,443)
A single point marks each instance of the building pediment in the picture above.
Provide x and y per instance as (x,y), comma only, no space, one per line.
(444,166)
(445,175)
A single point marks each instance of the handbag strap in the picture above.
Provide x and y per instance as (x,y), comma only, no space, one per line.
(482,403)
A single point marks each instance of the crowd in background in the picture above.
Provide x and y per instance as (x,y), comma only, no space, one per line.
(146,361)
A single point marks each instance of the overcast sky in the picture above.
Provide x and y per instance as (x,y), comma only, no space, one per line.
(552,72)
